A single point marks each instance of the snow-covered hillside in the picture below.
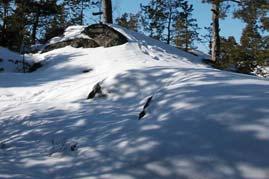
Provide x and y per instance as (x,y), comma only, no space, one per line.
(201,122)
(12,61)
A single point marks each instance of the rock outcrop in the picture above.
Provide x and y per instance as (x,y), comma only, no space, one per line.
(76,43)
(104,35)
(99,35)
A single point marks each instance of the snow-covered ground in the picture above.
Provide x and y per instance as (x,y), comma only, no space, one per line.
(201,122)
(11,61)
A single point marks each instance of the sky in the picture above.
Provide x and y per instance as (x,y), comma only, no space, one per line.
(202,12)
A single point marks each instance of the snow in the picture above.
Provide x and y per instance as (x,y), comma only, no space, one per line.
(201,54)
(11,61)
(72,32)
(201,123)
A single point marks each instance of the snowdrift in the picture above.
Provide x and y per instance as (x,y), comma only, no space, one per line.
(199,123)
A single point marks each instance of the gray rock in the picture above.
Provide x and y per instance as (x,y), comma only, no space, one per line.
(34,67)
(104,35)
(100,34)
(96,92)
(76,43)
(144,112)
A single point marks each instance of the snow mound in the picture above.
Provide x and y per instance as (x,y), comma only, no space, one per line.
(200,122)
(72,32)
(12,61)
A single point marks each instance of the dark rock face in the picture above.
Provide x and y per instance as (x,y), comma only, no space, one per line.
(100,34)
(76,43)
(104,35)
(34,67)
(96,92)
(144,112)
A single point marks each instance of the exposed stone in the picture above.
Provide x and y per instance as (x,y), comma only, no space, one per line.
(100,35)
(104,35)
(34,67)
(76,43)
(144,112)
(96,92)
(87,70)
(74,147)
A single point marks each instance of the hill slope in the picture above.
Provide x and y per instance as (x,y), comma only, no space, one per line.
(201,122)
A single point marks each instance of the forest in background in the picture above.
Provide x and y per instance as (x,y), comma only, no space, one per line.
(31,22)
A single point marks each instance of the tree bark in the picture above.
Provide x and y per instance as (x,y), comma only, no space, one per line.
(186,34)
(169,25)
(4,28)
(82,13)
(35,26)
(215,31)
(107,11)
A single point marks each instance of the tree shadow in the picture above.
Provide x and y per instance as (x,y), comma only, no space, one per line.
(201,124)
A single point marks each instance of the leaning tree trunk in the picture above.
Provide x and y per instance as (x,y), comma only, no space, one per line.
(107,10)
(215,52)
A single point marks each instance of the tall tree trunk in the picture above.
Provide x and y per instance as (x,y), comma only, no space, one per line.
(169,23)
(35,26)
(82,13)
(215,52)
(4,28)
(107,10)
(186,34)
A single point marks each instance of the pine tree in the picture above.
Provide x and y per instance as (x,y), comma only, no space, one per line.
(129,21)
(253,13)
(159,18)
(207,38)
(153,18)
(56,24)
(18,27)
(172,12)
(265,23)
(229,53)
(40,10)
(186,28)
(5,13)
(75,11)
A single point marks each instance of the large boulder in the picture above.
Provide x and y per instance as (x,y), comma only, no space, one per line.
(90,37)
(104,35)
(76,43)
